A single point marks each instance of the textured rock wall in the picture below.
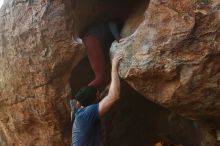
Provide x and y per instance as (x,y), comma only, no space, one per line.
(172,58)
(135,121)
(36,55)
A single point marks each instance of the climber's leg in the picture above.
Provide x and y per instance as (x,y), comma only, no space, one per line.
(96,59)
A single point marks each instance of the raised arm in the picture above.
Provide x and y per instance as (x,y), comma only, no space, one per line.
(114,90)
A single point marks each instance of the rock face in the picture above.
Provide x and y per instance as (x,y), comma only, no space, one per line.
(173,56)
(37,55)
(141,122)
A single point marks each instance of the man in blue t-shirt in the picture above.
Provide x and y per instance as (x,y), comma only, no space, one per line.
(86,127)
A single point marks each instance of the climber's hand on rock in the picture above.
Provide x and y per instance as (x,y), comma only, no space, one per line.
(115,61)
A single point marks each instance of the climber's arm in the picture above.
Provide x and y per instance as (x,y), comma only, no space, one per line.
(114,30)
(114,91)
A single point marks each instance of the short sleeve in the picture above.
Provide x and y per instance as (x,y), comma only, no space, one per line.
(91,112)
(85,125)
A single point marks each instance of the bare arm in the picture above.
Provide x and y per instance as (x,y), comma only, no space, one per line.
(114,90)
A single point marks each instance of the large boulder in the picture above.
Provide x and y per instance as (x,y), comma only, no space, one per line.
(170,57)
(173,56)
(37,55)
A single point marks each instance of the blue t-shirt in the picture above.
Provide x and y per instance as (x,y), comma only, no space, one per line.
(86,127)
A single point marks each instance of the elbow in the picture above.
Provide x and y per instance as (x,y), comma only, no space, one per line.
(115,95)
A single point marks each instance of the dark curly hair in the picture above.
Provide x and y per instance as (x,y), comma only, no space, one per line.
(86,95)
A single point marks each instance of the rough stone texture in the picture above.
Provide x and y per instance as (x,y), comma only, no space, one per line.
(37,55)
(172,58)
(141,122)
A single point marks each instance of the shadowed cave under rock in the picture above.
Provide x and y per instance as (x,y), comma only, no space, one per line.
(91,12)
(135,121)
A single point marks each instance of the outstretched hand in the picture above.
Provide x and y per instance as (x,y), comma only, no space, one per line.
(115,61)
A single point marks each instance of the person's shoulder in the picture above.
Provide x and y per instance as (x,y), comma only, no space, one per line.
(91,110)
(92,107)
(88,108)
